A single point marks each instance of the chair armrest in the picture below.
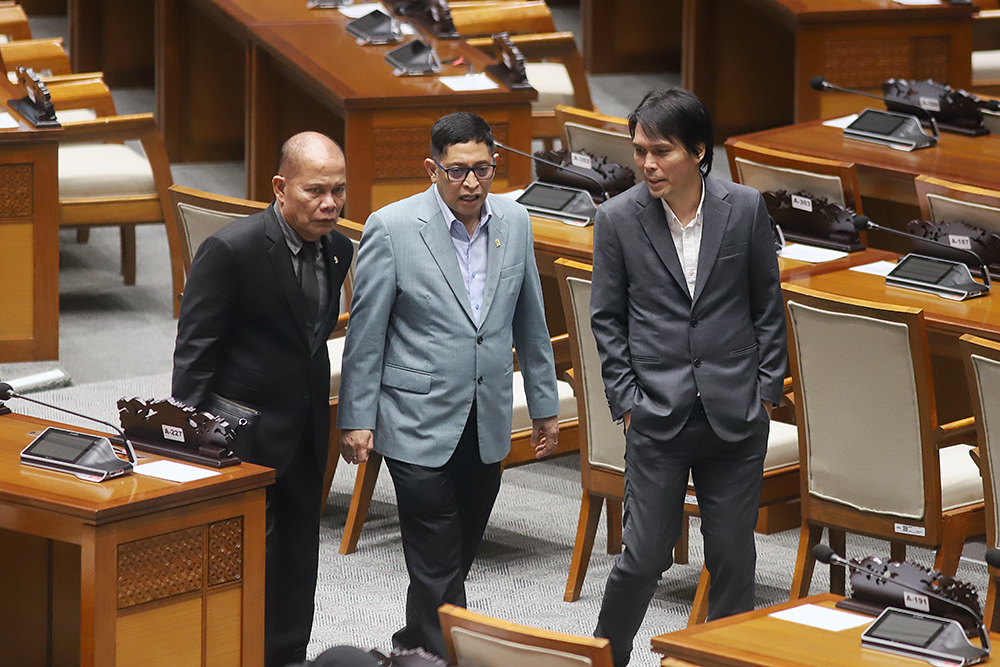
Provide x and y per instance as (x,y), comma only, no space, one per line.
(962,431)
(569,377)
(80,93)
(38,54)
(110,128)
(534,46)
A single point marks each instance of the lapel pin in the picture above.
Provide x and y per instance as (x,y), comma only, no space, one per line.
(336,260)
(498,242)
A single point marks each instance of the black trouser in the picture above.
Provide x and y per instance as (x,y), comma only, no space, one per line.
(443,513)
(727,479)
(293,514)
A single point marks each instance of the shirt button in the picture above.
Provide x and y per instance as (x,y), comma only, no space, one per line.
(697,363)
(479,380)
(479,340)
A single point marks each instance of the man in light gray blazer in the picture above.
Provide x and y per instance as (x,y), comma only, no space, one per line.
(446,285)
(687,312)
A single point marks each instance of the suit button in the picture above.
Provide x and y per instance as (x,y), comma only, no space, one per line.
(694,323)
(697,363)
(479,340)
(479,380)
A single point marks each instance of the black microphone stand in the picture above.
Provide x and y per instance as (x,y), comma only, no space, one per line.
(604,193)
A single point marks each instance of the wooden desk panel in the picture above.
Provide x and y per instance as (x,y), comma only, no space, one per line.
(131,570)
(854,43)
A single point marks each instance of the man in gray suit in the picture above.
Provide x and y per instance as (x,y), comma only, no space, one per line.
(446,284)
(686,309)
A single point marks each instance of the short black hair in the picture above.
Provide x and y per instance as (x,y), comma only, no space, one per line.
(459,128)
(678,116)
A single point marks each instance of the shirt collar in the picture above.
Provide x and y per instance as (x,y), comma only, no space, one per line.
(672,219)
(292,237)
(449,216)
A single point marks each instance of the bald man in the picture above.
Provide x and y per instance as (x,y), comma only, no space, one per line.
(261,299)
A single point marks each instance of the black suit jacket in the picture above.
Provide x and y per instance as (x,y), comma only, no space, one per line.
(242,334)
(660,345)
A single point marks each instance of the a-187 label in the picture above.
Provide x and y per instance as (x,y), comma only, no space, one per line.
(959,241)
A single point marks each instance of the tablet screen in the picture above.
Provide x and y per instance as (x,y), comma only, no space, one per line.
(61,445)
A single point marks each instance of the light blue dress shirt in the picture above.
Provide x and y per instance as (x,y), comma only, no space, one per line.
(471,252)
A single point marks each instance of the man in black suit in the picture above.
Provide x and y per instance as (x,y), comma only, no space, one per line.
(687,312)
(261,299)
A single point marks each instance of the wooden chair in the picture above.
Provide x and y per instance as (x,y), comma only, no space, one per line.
(982,365)
(602,447)
(530,16)
(474,639)
(45,56)
(604,136)
(874,460)
(942,201)
(986,48)
(13,23)
(555,69)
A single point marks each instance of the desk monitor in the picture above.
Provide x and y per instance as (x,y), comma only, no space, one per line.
(376,27)
(415,58)
(569,205)
(85,455)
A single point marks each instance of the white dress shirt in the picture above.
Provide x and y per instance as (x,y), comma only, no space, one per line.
(687,240)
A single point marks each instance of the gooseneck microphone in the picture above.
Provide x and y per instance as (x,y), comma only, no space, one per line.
(7,391)
(863,222)
(819,83)
(604,193)
(825,554)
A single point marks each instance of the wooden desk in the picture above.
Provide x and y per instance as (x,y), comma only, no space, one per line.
(853,43)
(131,571)
(754,639)
(886,175)
(946,321)
(29,244)
(285,69)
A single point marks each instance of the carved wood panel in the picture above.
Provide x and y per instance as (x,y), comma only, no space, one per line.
(225,551)
(16,190)
(867,63)
(399,152)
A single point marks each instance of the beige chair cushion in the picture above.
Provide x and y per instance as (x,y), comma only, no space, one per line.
(199,223)
(852,414)
(103,170)
(764,177)
(552,83)
(335,346)
(961,483)
(948,209)
(521,420)
(75,115)
(782,446)
(987,377)
(615,146)
(985,66)
(473,649)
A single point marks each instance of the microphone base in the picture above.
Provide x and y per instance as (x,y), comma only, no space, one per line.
(4,410)
(873,609)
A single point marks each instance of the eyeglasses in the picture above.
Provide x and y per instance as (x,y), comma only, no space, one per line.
(483,172)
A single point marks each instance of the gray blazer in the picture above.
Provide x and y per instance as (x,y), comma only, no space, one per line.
(414,358)
(660,345)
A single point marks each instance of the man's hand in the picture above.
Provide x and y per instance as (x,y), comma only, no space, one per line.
(544,435)
(355,445)
(768,406)
(627,420)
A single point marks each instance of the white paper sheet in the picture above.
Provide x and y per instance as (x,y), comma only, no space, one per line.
(467,82)
(841,122)
(917,3)
(513,194)
(823,618)
(881,268)
(7,122)
(810,253)
(364,9)
(172,471)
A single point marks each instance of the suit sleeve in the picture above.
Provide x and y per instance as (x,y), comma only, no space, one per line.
(210,298)
(767,307)
(609,315)
(371,305)
(531,338)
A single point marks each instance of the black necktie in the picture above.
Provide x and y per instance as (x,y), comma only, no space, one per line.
(310,285)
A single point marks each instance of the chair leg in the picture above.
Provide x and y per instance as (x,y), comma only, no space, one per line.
(128,253)
(586,532)
(82,234)
(838,575)
(614,518)
(681,548)
(804,562)
(990,617)
(897,551)
(364,486)
(699,610)
(955,529)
